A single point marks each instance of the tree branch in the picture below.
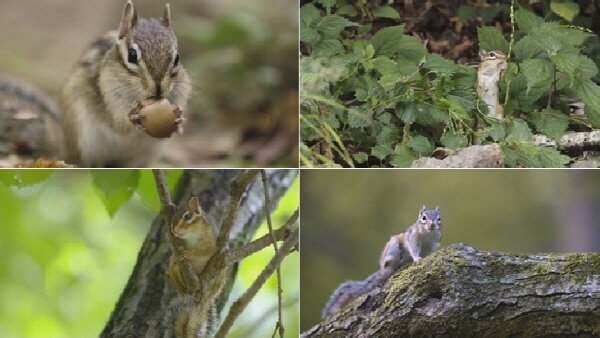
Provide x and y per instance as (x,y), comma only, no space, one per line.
(266,240)
(462,291)
(238,306)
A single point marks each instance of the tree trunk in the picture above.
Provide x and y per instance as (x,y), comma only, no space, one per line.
(140,309)
(460,291)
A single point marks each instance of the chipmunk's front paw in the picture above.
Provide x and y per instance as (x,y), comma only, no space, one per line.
(178,118)
(135,114)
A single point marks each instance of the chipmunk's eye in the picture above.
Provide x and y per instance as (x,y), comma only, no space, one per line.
(132,56)
(187,216)
(424,218)
(492,54)
(176,62)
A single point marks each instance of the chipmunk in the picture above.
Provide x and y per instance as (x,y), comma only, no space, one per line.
(191,315)
(102,97)
(419,240)
(491,68)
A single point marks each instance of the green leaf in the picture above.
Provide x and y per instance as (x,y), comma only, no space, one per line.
(328,47)
(550,123)
(309,15)
(24,177)
(411,49)
(359,117)
(360,157)
(387,40)
(393,72)
(518,130)
(347,10)
(403,157)
(571,62)
(566,9)
(406,111)
(525,49)
(381,151)
(454,140)
(497,130)
(530,155)
(536,71)
(331,26)
(115,187)
(421,144)
(386,12)
(439,64)
(490,38)
(526,20)
(589,93)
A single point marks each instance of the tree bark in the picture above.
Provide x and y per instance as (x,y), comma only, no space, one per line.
(140,309)
(460,291)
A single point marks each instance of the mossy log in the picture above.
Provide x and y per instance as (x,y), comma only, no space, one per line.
(461,291)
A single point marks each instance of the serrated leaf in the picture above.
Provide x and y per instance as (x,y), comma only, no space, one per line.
(360,157)
(421,144)
(393,72)
(386,12)
(497,130)
(589,93)
(327,4)
(439,64)
(490,38)
(381,151)
(328,47)
(114,187)
(406,111)
(347,10)
(526,20)
(532,156)
(524,49)
(518,130)
(411,49)
(331,26)
(536,71)
(359,117)
(566,9)
(403,157)
(309,15)
(24,177)
(454,140)
(571,62)
(387,40)
(550,123)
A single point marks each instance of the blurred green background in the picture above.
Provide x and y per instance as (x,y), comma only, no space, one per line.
(349,215)
(242,57)
(64,260)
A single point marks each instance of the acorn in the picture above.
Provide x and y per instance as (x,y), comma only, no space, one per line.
(158,118)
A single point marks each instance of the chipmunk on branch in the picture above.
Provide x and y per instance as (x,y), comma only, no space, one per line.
(102,97)
(419,240)
(193,313)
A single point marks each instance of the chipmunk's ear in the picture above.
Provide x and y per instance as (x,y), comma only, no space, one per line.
(437,208)
(129,19)
(482,53)
(194,204)
(422,209)
(167,16)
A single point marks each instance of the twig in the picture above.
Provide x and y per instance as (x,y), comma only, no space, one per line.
(261,243)
(238,187)
(510,45)
(239,305)
(189,278)
(267,206)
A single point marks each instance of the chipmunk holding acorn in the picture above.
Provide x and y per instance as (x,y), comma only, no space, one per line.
(126,94)
(189,314)
(419,240)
